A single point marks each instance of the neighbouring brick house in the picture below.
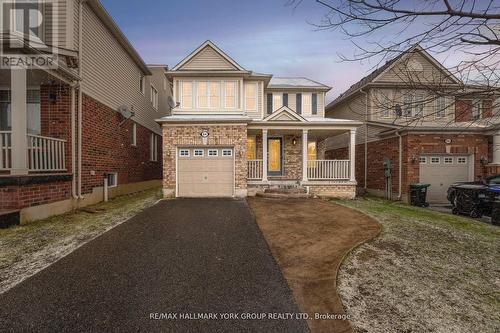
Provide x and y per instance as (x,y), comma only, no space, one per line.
(236,132)
(410,134)
(64,130)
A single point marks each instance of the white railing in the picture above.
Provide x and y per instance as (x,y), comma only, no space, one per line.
(255,169)
(46,154)
(328,170)
(5,151)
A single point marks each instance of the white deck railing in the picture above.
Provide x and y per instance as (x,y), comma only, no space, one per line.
(255,168)
(328,170)
(46,154)
(5,151)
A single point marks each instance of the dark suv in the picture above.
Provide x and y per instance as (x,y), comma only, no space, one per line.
(473,198)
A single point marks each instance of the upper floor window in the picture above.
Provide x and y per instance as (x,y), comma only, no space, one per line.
(186,95)
(202,93)
(385,106)
(440,107)
(408,105)
(419,106)
(142,85)
(154,97)
(277,102)
(214,94)
(476,110)
(306,103)
(251,96)
(230,94)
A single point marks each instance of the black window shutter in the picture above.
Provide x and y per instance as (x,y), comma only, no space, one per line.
(285,99)
(314,103)
(298,105)
(269,103)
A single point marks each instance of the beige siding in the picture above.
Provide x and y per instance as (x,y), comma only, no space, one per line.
(208,59)
(160,82)
(354,108)
(255,114)
(402,72)
(56,18)
(110,75)
(292,99)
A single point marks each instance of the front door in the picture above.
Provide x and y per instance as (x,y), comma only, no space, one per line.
(275,157)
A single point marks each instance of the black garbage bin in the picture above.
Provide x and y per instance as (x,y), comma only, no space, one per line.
(418,195)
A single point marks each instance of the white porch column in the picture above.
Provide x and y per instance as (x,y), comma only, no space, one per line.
(496,148)
(352,155)
(264,155)
(19,125)
(304,155)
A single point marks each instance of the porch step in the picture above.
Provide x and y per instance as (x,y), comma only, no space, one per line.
(286,190)
(9,218)
(283,195)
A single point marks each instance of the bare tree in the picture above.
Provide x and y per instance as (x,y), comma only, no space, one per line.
(382,30)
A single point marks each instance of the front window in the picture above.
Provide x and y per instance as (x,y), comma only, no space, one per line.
(214,94)
(251,96)
(311,151)
(231,95)
(251,148)
(187,95)
(33,121)
(306,103)
(202,94)
(440,107)
(476,110)
(408,105)
(277,103)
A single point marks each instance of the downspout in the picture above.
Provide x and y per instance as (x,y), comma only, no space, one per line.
(400,164)
(366,139)
(80,102)
(73,140)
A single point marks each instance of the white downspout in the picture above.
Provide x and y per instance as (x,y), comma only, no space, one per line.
(400,168)
(80,63)
(73,140)
(366,139)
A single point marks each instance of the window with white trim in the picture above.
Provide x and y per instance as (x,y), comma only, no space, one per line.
(213,152)
(112,178)
(461,160)
(186,95)
(198,152)
(277,101)
(184,152)
(142,85)
(202,93)
(385,105)
(214,95)
(306,103)
(251,96)
(408,105)
(476,110)
(227,152)
(153,148)
(440,107)
(435,160)
(231,93)
(134,134)
(419,105)
(448,160)
(154,97)
(423,160)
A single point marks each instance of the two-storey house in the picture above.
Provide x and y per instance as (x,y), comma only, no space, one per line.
(236,132)
(420,125)
(87,120)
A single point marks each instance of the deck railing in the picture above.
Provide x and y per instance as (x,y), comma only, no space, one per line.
(328,170)
(46,154)
(255,168)
(5,151)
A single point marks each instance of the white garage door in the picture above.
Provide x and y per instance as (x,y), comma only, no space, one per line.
(205,172)
(440,171)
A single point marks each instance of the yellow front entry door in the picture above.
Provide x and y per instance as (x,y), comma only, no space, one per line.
(275,158)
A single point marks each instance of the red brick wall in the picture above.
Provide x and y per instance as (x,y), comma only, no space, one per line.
(487,108)
(107,147)
(21,196)
(463,110)
(56,116)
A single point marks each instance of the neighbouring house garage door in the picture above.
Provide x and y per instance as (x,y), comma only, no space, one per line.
(440,171)
(205,172)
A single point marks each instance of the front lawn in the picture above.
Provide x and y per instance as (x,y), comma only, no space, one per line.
(426,272)
(26,249)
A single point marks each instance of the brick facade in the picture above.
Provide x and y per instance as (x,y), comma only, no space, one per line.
(463,109)
(107,147)
(413,146)
(185,135)
(14,197)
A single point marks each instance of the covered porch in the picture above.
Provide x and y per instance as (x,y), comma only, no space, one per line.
(292,151)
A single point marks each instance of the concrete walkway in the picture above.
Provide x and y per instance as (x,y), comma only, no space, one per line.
(177,257)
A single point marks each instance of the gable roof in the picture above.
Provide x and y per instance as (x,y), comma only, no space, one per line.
(296,82)
(386,67)
(284,114)
(208,48)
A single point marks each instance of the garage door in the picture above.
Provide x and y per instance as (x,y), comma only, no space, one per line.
(205,172)
(441,171)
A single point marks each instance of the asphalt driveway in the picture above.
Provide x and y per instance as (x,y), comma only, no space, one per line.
(178,257)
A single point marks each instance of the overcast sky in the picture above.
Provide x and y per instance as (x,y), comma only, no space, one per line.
(261,35)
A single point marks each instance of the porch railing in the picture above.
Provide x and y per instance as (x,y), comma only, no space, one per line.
(46,154)
(328,170)
(5,151)
(255,168)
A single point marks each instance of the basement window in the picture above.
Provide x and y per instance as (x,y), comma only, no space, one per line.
(112,179)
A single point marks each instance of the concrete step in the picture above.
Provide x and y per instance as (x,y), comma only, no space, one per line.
(284,195)
(286,190)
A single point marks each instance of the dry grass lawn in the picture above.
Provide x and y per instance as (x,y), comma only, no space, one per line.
(25,250)
(425,272)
